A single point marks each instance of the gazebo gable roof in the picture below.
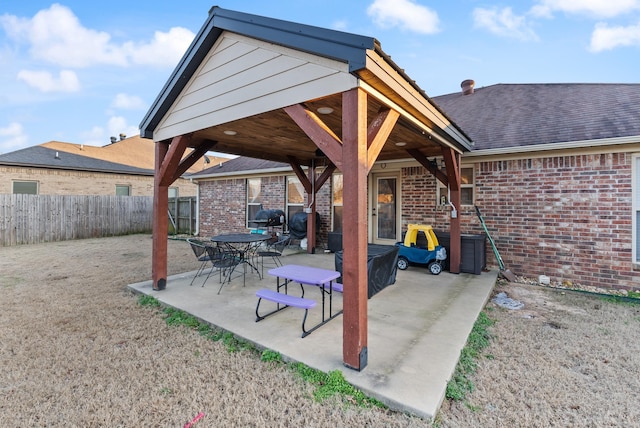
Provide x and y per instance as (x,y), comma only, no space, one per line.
(347,48)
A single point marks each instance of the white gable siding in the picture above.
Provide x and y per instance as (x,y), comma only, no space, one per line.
(241,77)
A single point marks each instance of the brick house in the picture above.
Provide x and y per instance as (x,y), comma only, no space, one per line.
(58,168)
(555,171)
(39,170)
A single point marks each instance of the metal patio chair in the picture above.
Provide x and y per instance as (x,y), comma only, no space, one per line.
(200,251)
(273,251)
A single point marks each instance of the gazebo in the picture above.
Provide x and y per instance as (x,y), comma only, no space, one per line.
(255,86)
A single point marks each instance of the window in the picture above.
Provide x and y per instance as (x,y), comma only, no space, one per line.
(295,196)
(25,187)
(636,209)
(123,190)
(466,188)
(336,199)
(254,199)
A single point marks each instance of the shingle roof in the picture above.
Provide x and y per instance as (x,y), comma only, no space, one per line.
(134,151)
(516,115)
(240,164)
(42,157)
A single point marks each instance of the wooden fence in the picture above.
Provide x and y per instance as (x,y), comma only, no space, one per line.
(30,219)
(182,215)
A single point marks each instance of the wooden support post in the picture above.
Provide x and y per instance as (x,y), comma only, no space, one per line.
(452,163)
(355,168)
(160,221)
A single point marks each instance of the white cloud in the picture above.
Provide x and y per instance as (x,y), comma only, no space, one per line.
(607,38)
(597,8)
(67,81)
(405,14)
(12,138)
(56,35)
(128,102)
(340,25)
(503,22)
(118,125)
(165,48)
(95,137)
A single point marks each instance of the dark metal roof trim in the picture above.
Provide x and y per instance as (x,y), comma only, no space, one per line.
(346,47)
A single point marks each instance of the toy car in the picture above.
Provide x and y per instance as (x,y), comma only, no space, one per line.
(429,253)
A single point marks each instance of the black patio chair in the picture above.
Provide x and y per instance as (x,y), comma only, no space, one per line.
(273,251)
(200,250)
(225,259)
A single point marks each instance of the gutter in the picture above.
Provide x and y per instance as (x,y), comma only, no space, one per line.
(554,146)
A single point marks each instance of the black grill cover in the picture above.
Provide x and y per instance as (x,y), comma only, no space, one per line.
(298,225)
(381,266)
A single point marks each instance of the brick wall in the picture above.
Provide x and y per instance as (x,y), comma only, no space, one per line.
(65,182)
(565,217)
(223,205)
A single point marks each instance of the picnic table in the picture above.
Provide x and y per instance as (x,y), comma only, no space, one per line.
(324,279)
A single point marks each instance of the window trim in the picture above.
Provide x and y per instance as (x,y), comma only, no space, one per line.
(128,186)
(287,204)
(246,201)
(333,204)
(13,186)
(471,186)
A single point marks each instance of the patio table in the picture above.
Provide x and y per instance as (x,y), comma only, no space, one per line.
(306,275)
(241,244)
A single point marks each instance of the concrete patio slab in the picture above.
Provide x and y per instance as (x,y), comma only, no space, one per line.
(417,327)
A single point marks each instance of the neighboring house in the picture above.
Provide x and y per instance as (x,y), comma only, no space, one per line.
(133,151)
(555,171)
(43,171)
(124,167)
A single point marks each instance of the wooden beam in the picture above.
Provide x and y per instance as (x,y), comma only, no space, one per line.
(160,221)
(355,170)
(378,132)
(193,157)
(318,132)
(452,163)
(172,159)
(326,174)
(297,169)
(433,169)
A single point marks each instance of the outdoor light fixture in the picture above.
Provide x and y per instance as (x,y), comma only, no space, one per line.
(325,110)
(230,132)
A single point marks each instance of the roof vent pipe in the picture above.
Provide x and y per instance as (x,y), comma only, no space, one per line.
(113,140)
(123,136)
(467,86)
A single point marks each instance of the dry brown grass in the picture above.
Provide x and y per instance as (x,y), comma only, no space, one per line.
(76,349)
(565,359)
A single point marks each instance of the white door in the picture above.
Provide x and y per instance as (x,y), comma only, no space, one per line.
(385,208)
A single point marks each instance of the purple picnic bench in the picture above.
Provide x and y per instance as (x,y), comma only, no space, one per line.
(303,275)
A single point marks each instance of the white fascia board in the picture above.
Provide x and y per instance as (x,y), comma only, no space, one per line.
(554,146)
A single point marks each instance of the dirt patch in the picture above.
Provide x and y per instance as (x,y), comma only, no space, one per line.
(76,349)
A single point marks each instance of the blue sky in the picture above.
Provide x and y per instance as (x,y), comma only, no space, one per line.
(80,71)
